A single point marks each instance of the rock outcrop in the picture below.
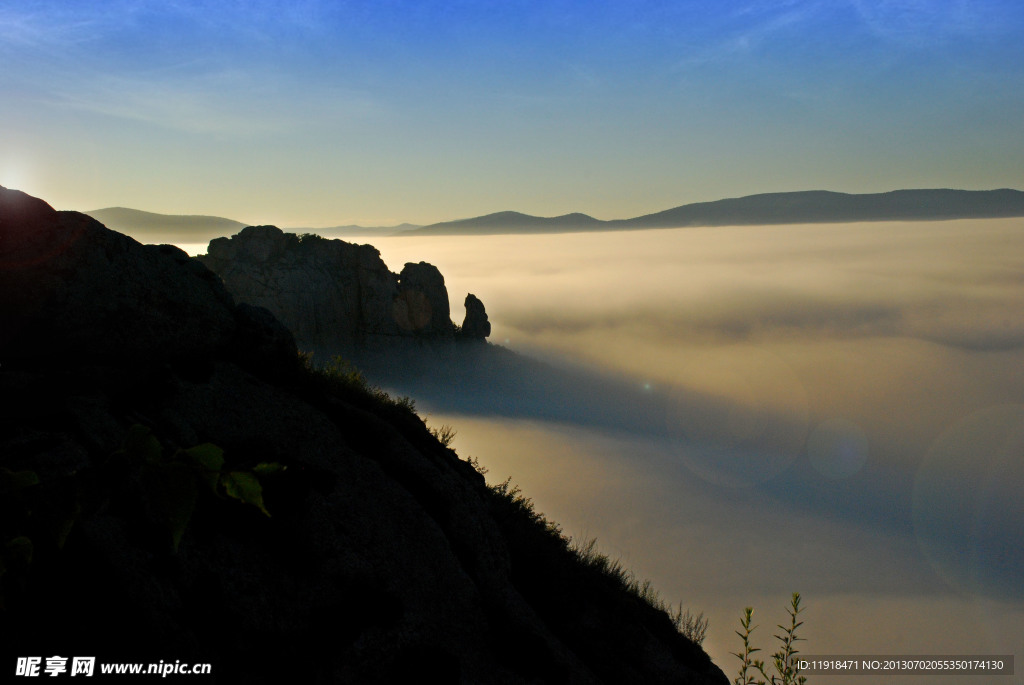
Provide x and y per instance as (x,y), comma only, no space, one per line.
(475,326)
(331,294)
(148,416)
(422,306)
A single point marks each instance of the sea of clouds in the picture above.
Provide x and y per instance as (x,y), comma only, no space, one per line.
(835,409)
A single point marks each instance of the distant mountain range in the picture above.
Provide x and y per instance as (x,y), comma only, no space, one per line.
(812,206)
(356,231)
(144,226)
(148,227)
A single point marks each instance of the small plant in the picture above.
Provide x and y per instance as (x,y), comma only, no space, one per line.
(404,402)
(172,482)
(475,463)
(344,372)
(445,434)
(787,669)
(693,627)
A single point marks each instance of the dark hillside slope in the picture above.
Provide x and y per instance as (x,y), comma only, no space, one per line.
(147,418)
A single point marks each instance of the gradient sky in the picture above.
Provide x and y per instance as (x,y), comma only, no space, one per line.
(321,113)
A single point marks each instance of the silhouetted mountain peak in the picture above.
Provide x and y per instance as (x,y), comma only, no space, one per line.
(510,222)
(18,209)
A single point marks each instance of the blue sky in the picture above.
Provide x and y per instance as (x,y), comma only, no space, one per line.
(321,113)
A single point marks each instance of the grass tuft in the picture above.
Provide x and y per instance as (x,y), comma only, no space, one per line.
(612,571)
(693,627)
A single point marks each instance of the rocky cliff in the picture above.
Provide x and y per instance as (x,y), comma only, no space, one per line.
(175,485)
(335,295)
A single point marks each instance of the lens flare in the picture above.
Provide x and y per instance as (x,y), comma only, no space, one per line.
(837,448)
(967,510)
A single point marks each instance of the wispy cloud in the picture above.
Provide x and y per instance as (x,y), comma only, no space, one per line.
(64,25)
(920,23)
(751,27)
(74,58)
(197,106)
(36,29)
(230,102)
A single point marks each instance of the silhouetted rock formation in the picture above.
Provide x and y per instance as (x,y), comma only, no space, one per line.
(475,326)
(331,294)
(385,559)
(422,302)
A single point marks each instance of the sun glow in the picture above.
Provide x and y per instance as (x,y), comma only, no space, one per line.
(15,173)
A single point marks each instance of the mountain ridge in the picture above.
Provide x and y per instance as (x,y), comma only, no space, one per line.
(119,218)
(806,206)
(824,206)
(789,207)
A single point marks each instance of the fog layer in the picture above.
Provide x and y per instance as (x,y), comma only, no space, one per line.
(835,409)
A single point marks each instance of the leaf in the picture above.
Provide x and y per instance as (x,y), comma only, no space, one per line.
(244,486)
(139,443)
(268,468)
(210,460)
(172,492)
(16,480)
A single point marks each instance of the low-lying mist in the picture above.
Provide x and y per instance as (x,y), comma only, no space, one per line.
(835,409)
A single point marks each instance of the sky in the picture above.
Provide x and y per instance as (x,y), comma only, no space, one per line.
(306,113)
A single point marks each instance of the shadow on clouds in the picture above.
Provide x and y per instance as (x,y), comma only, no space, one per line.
(823,368)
